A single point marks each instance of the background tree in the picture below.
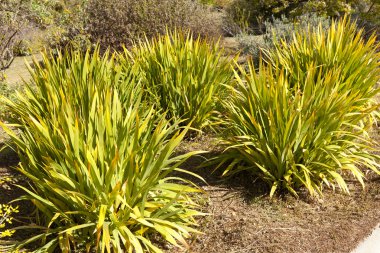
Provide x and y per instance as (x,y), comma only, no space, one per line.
(10,25)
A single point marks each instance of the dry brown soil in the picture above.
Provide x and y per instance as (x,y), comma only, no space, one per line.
(242,218)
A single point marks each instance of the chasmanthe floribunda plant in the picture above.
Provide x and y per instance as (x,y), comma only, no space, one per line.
(183,76)
(341,50)
(302,120)
(98,159)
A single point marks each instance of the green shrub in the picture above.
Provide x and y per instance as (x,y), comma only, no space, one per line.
(184,76)
(69,27)
(99,160)
(114,23)
(249,13)
(61,23)
(46,13)
(299,122)
(252,45)
(284,28)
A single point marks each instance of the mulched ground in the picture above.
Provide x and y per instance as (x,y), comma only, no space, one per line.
(244,219)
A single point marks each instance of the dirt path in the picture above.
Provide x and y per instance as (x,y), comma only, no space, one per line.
(18,71)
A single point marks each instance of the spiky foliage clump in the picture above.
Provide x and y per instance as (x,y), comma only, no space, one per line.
(98,159)
(184,76)
(302,120)
(341,50)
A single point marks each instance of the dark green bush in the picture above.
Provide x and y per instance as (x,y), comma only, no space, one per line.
(369,19)
(255,12)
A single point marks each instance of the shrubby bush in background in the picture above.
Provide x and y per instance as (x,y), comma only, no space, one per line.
(68,25)
(6,92)
(369,19)
(113,23)
(284,28)
(83,23)
(281,29)
(255,13)
(47,23)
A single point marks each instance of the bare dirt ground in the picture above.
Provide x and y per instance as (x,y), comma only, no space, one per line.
(18,72)
(244,219)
